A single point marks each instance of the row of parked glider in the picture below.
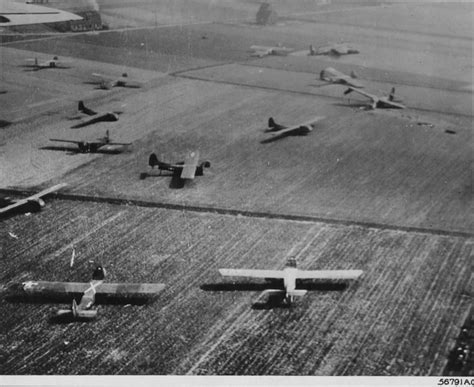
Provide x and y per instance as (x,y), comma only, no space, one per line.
(334,50)
(105,82)
(281,286)
(331,75)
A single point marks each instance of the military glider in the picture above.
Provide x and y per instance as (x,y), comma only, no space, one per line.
(88,291)
(54,63)
(331,75)
(33,203)
(262,51)
(106,82)
(296,130)
(94,116)
(186,169)
(388,102)
(93,146)
(336,50)
(289,275)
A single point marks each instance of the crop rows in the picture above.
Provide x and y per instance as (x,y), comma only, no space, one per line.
(365,167)
(399,318)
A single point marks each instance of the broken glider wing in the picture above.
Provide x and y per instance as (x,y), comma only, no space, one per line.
(190,164)
(61,288)
(262,49)
(16,14)
(328,274)
(47,191)
(372,97)
(332,75)
(362,92)
(261,53)
(68,141)
(117,143)
(37,196)
(268,50)
(250,273)
(350,81)
(90,120)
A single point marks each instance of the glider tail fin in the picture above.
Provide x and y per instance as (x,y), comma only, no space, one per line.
(391,96)
(271,123)
(353,74)
(82,108)
(153,160)
(322,75)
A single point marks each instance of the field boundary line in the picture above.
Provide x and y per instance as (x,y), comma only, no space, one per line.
(296,92)
(245,213)
(255,63)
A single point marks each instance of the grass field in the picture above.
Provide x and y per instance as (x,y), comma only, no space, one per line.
(364,166)
(384,324)
(389,193)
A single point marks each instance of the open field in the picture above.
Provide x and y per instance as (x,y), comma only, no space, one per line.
(388,192)
(359,166)
(427,97)
(345,169)
(401,317)
(34,92)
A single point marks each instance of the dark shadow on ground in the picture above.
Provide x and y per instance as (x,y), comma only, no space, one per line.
(67,319)
(261,286)
(31,68)
(271,301)
(19,296)
(75,151)
(274,137)
(356,105)
(175,183)
(4,124)
(277,136)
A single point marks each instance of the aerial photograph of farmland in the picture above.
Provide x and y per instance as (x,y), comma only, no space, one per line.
(236,188)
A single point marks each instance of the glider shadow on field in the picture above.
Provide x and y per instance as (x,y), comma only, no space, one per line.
(175,183)
(272,300)
(4,124)
(74,151)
